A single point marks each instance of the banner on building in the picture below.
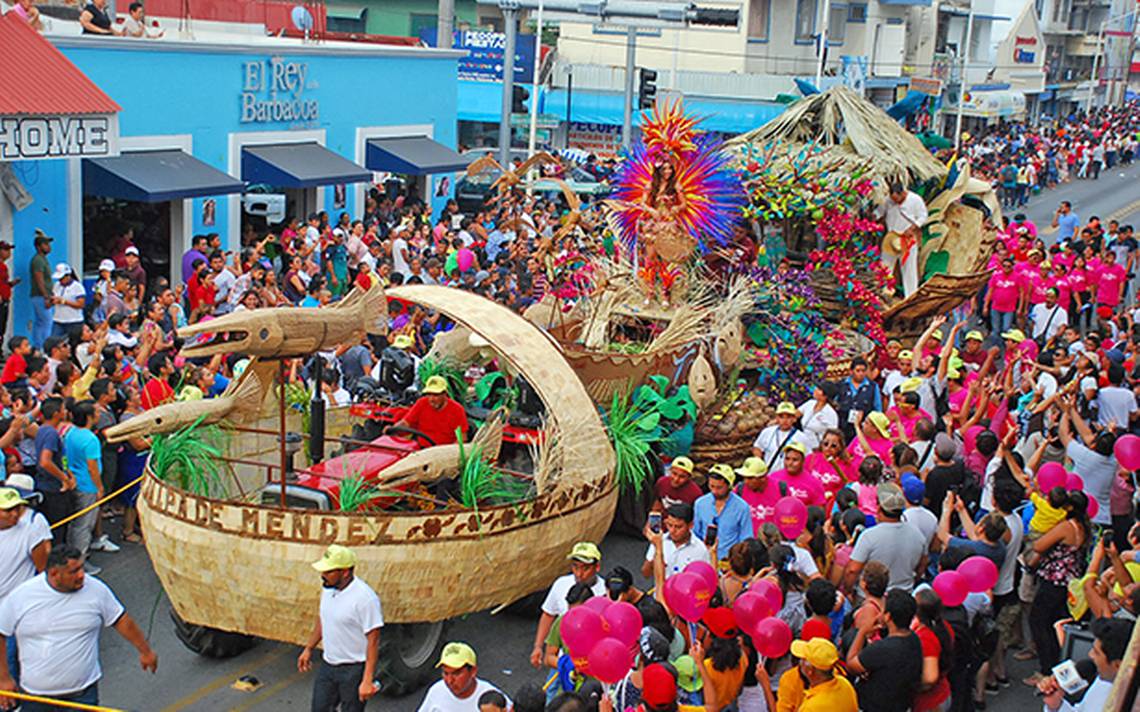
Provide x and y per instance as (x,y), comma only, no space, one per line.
(484,60)
(599,139)
(926,85)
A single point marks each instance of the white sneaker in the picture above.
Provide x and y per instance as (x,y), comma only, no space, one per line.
(104,543)
(91,569)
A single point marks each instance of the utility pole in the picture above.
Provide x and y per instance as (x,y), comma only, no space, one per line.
(630,71)
(962,78)
(534,85)
(510,10)
(445,24)
(823,43)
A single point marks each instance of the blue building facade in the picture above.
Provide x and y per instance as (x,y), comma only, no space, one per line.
(232,108)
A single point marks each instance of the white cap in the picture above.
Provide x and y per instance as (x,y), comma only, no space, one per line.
(132,250)
(106,266)
(61,271)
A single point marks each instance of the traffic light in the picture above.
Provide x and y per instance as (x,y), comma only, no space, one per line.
(646,89)
(519,95)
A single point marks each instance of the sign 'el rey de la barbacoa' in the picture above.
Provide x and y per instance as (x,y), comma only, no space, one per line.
(273,90)
(40,137)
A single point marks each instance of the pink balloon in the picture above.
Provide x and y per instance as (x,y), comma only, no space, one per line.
(773,637)
(690,596)
(771,594)
(705,570)
(980,573)
(1051,474)
(1093,507)
(750,609)
(951,588)
(464,260)
(581,629)
(625,622)
(1075,483)
(1127,451)
(598,604)
(610,660)
(791,516)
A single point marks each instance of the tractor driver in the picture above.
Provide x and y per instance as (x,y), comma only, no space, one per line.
(435,414)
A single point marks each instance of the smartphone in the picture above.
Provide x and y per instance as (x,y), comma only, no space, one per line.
(655,522)
(853,417)
(710,534)
(1106,534)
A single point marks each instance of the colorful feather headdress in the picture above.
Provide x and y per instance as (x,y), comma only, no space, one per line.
(711,193)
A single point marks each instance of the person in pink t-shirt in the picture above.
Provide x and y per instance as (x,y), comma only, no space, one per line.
(831,465)
(1060,281)
(905,415)
(1002,297)
(758,492)
(799,483)
(872,438)
(1110,281)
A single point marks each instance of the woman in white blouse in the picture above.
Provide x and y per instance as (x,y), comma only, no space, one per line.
(817,415)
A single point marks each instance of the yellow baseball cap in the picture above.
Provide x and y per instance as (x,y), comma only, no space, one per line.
(457,655)
(752,467)
(682,463)
(336,557)
(403,341)
(435,384)
(880,421)
(906,355)
(910,384)
(724,472)
(936,334)
(820,653)
(797,446)
(974,335)
(1014,335)
(586,552)
(786,408)
(10,498)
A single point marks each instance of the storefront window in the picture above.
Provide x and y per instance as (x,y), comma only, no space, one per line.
(109,225)
(805,20)
(758,19)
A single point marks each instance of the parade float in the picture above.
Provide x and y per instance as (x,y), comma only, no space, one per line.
(837,145)
(233,523)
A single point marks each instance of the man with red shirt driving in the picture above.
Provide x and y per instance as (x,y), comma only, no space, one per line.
(435,414)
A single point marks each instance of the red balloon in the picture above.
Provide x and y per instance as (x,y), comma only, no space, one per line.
(980,573)
(625,622)
(1051,474)
(598,604)
(771,593)
(750,609)
(791,517)
(581,629)
(951,588)
(773,637)
(1093,507)
(705,570)
(610,660)
(690,597)
(1075,483)
(1127,451)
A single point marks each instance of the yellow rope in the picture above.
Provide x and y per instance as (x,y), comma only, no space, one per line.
(58,703)
(87,509)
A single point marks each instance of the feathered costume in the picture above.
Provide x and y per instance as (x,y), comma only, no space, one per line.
(674,192)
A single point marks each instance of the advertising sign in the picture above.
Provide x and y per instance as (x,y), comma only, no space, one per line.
(58,136)
(484,61)
(600,139)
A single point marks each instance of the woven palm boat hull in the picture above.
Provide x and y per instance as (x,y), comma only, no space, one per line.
(246,568)
(606,374)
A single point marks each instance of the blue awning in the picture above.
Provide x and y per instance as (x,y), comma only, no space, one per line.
(412,155)
(905,2)
(592,107)
(155,177)
(298,165)
(479,101)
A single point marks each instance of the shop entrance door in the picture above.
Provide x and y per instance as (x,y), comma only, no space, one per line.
(109,224)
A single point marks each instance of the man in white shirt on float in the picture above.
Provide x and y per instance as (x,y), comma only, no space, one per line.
(460,688)
(25,540)
(349,625)
(56,618)
(904,214)
(585,562)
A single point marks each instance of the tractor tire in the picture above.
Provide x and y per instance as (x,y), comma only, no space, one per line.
(408,654)
(211,642)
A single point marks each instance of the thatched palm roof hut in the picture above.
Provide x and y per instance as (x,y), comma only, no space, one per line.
(854,130)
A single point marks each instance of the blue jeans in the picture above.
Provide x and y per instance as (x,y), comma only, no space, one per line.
(1000,322)
(41,321)
(86,696)
(338,685)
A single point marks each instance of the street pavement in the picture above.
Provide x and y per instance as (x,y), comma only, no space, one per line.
(187,682)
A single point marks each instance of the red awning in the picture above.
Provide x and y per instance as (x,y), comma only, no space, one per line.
(39,80)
